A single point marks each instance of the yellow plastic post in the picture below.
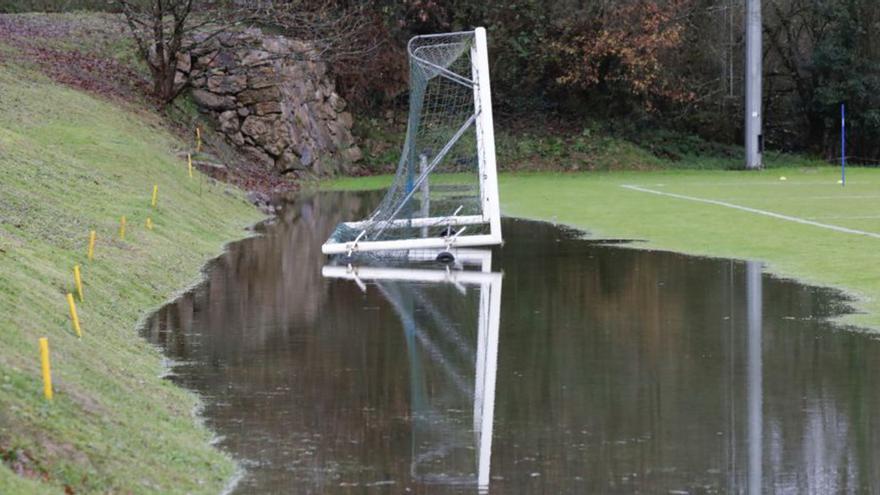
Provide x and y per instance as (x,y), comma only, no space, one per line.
(189,161)
(73,315)
(91,245)
(122,228)
(47,370)
(149,223)
(155,195)
(78,279)
(198,140)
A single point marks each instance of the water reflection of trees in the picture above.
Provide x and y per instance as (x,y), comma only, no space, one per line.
(620,370)
(636,363)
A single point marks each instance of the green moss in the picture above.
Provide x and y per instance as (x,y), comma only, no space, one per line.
(70,163)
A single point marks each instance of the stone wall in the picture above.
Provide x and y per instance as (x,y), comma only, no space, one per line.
(272,98)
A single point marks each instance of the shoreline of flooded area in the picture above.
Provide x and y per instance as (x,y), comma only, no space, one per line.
(552,364)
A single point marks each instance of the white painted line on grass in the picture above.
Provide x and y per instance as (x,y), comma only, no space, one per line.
(779,216)
(844,217)
(808,198)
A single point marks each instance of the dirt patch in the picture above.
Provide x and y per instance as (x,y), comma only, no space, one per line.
(22,463)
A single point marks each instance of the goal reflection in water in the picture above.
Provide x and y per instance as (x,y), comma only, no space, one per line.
(618,370)
(453,358)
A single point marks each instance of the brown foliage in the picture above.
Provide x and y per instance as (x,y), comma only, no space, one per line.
(631,46)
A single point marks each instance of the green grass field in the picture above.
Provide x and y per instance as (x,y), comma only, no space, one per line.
(601,205)
(70,163)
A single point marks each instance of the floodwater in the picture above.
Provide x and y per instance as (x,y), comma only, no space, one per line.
(551,365)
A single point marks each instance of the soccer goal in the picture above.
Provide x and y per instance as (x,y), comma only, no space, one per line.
(445,192)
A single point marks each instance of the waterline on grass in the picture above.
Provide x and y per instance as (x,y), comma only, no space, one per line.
(779,216)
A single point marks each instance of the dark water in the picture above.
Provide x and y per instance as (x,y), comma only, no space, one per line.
(618,370)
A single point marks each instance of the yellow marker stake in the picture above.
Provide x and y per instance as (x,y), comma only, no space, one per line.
(189,161)
(149,223)
(78,279)
(198,140)
(155,195)
(91,245)
(47,371)
(122,228)
(73,315)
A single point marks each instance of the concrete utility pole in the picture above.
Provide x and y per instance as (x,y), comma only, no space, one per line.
(754,138)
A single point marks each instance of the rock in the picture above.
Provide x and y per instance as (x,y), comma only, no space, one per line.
(229,122)
(226,39)
(227,84)
(353,154)
(289,162)
(251,96)
(258,156)
(335,128)
(255,57)
(236,139)
(206,59)
(184,62)
(276,44)
(293,72)
(225,59)
(212,101)
(262,77)
(257,198)
(278,141)
(346,120)
(336,102)
(305,155)
(256,127)
(272,99)
(267,107)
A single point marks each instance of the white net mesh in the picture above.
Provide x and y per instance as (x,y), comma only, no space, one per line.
(436,192)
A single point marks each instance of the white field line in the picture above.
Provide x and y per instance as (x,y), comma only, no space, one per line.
(771,183)
(845,217)
(779,216)
(810,198)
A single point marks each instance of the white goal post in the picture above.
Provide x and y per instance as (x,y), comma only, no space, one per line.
(445,192)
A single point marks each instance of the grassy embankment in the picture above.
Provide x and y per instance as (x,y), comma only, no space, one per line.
(598,204)
(70,163)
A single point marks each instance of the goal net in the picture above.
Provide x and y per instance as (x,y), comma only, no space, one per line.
(445,192)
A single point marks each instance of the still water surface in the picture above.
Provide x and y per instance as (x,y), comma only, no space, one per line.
(551,365)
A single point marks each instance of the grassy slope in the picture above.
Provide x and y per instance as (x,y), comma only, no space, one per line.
(596,203)
(70,163)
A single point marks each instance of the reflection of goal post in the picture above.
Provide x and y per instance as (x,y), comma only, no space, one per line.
(446,449)
(445,192)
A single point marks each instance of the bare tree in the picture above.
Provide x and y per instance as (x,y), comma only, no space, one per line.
(340,31)
(161,28)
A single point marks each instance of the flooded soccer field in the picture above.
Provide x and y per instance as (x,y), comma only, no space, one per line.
(550,365)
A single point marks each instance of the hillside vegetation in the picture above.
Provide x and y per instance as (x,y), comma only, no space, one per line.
(71,163)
